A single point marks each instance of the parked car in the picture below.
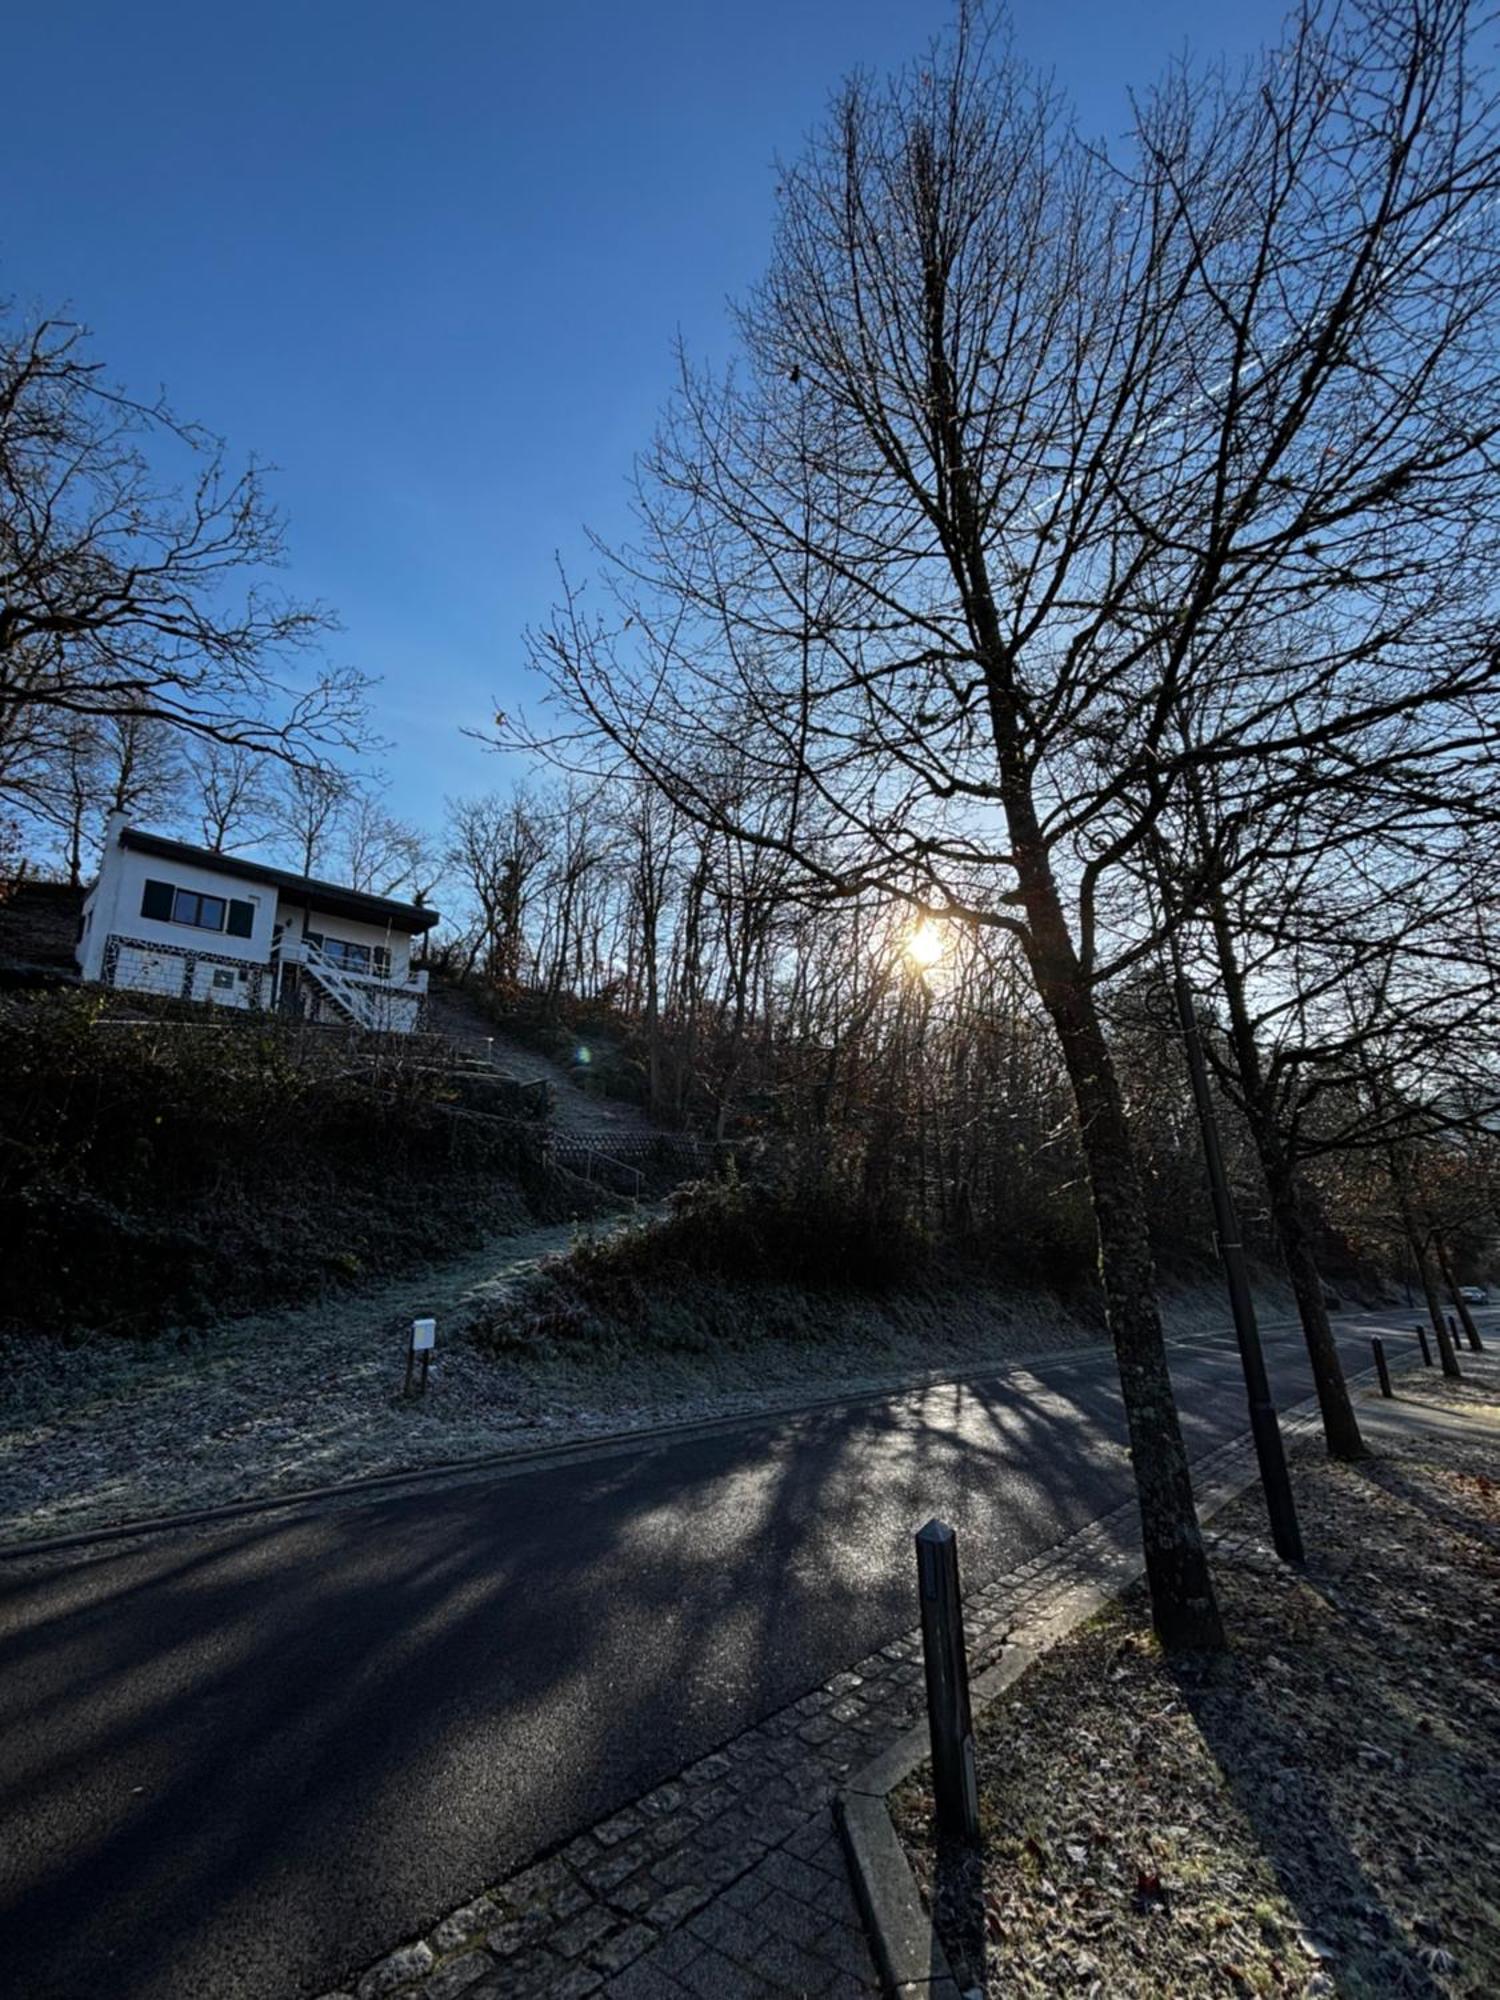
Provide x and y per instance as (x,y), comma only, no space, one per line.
(1474,1295)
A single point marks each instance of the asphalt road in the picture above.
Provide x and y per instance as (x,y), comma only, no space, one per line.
(236,1764)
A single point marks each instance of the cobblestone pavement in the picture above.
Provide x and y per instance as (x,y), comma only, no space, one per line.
(729,1882)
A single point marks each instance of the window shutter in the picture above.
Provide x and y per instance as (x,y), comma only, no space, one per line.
(157,901)
(241,919)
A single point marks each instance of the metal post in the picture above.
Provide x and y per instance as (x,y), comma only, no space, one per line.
(1280,1506)
(1380,1367)
(1421,1333)
(955,1781)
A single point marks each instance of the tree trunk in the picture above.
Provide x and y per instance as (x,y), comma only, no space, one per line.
(1423,1263)
(1182,1600)
(1460,1304)
(1340,1425)
(1183,1607)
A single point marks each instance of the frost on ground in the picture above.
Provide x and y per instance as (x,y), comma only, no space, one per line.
(1316,1812)
(111,1431)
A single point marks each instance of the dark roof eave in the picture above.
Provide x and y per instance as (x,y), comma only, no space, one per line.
(330,897)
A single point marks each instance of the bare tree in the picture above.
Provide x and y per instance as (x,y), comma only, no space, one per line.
(233,794)
(306,806)
(134,571)
(382,854)
(1027,451)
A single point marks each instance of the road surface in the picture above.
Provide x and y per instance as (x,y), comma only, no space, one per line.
(239,1762)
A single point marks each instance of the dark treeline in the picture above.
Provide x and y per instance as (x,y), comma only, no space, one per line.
(902,1065)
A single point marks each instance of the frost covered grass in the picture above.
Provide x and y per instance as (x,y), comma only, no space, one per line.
(105,1431)
(1312,1813)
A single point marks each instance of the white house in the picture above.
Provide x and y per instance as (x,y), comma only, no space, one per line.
(165,917)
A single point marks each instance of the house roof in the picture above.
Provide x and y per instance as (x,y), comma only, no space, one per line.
(328,897)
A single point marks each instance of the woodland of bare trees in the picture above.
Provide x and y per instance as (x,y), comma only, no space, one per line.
(1069,519)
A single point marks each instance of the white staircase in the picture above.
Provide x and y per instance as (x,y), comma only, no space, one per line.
(361,998)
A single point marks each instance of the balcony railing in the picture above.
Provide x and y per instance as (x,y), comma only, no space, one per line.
(297,951)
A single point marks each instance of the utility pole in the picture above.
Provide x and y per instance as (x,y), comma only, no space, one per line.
(1264,1427)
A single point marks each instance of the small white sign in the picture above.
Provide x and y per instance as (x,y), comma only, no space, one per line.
(423,1334)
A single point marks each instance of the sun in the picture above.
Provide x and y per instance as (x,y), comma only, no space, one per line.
(926,945)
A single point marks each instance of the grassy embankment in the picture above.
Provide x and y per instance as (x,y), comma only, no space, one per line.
(164,1171)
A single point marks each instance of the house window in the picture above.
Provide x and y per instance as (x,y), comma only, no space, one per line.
(353,957)
(204,913)
(170,905)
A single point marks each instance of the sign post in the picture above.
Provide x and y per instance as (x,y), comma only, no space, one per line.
(423,1340)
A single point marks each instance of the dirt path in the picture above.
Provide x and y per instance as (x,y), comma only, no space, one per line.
(577,1109)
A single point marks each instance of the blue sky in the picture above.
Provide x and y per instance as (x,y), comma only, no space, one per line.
(430,260)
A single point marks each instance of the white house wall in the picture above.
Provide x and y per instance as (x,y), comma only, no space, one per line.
(114,910)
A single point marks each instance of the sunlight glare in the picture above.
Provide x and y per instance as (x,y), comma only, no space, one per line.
(926,945)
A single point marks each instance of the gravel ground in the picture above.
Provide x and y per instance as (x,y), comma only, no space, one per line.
(1317,1812)
(111,1431)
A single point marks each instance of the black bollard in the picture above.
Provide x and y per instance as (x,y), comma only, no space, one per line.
(1380,1368)
(955,1781)
(1421,1333)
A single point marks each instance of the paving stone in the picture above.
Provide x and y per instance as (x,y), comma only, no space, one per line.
(516,1933)
(672,1955)
(572,1897)
(611,1832)
(644,1980)
(671,1832)
(585,1929)
(528,1977)
(535,1886)
(787,1917)
(457,1976)
(602,1875)
(714,1977)
(811,1842)
(665,1799)
(746,1892)
(676,1871)
(847,1949)
(400,1969)
(785,1871)
(576,1984)
(622,1949)
(680,1903)
(818,1730)
(463,1924)
(707,1769)
(713,1800)
(632,1896)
